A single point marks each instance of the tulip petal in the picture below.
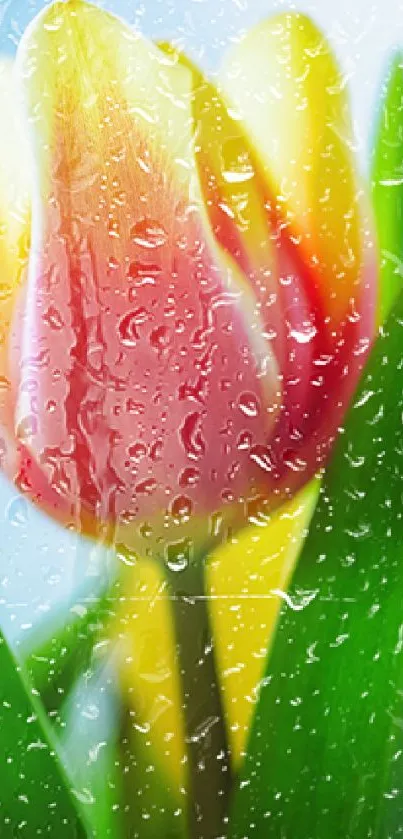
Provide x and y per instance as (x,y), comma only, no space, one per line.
(149,672)
(234,189)
(247,581)
(286,86)
(319,364)
(137,324)
(233,194)
(14,229)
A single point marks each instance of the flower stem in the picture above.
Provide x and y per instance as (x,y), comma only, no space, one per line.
(209,769)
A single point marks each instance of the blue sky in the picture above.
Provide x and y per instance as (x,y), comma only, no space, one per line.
(40,564)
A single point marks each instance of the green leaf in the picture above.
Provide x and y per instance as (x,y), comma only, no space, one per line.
(325,756)
(36,797)
(56,658)
(89,745)
(387,186)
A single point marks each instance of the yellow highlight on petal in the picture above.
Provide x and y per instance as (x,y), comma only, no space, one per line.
(245,580)
(230,184)
(285,83)
(105,78)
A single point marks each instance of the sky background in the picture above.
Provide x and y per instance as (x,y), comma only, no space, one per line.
(40,564)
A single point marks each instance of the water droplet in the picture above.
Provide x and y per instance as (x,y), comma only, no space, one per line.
(55,25)
(216,523)
(90,712)
(178,554)
(299,600)
(180,326)
(361,531)
(137,451)
(126,556)
(239,176)
(257,511)
(249,404)
(85,796)
(143,273)
(53,318)
(134,407)
(189,477)
(181,508)
(355,462)
(27,427)
(6,290)
(113,229)
(159,338)
(244,441)
(364,398)
(293,461)
(361,346)
(145,530)
(29,386)
(304,333)
(146,487)
(38,361)
(149,233)
(127,326)
(237,165)
(261,456)
(156,450)
(192,437)
(17,512)
(5,384)
(113,263)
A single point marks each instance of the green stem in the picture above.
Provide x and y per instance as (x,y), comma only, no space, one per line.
(209,769)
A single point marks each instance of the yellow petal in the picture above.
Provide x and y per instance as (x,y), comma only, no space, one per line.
(285,84)
(233,191)
(14,223)
(247,581)
(148,669)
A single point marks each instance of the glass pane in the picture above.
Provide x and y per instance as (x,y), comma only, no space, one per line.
(200,419)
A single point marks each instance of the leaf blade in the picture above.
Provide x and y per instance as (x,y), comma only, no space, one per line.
(35,794)
(387,186)
(56,658)
(326,742)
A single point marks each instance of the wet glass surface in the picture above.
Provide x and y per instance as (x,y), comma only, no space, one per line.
(200,419)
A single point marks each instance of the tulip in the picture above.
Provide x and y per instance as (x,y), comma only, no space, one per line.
(199,298)
(198,302)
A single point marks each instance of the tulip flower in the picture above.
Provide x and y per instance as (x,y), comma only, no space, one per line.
(198,301)
(199,297)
